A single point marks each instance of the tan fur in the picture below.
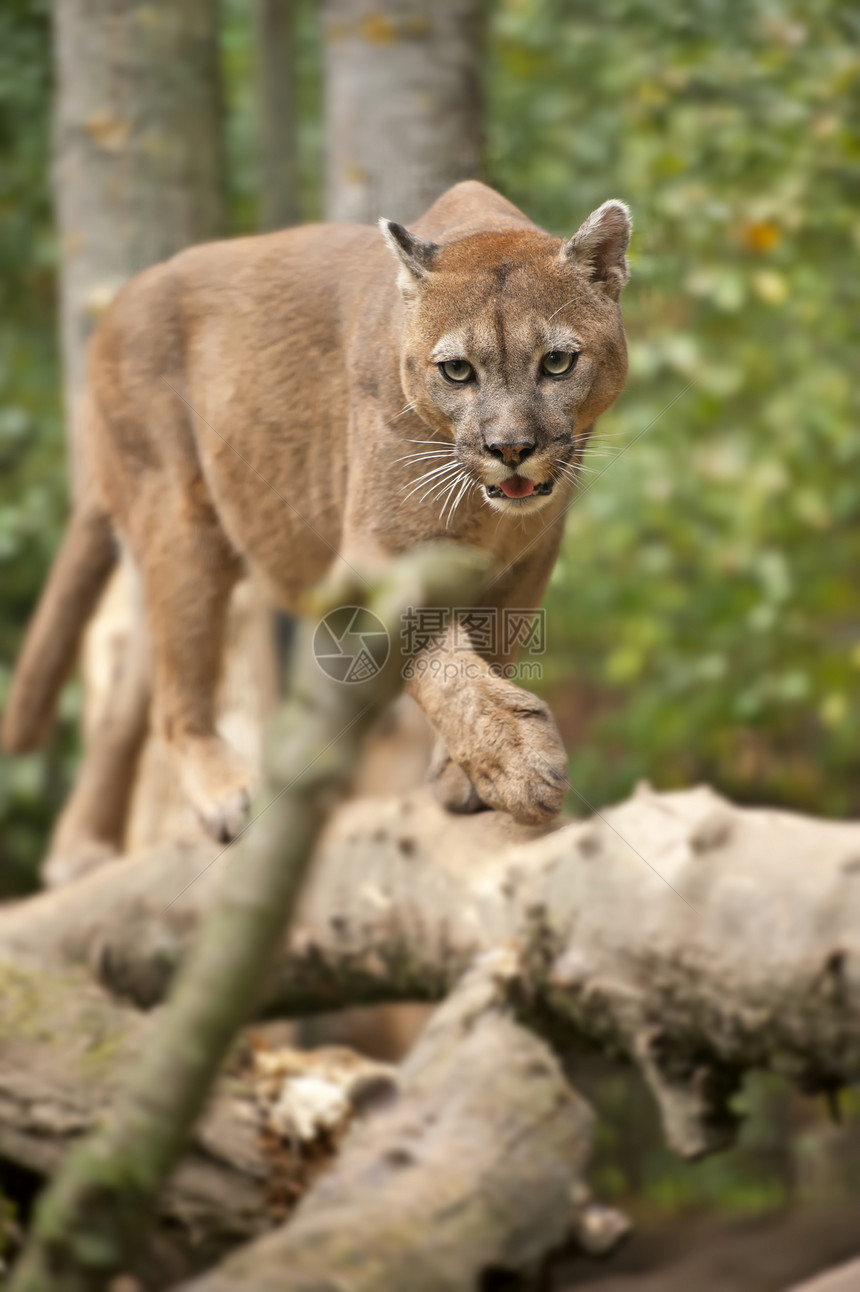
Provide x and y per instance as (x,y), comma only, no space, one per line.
(248,414)
(114,669)
(80,569)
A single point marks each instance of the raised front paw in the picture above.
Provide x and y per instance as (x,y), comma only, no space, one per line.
(510,749)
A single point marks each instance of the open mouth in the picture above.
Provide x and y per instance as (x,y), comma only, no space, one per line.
(519,487)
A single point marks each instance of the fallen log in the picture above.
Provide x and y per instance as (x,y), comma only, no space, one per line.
(691,937)
(844,1278)
(685,935)
(724,1251)
(473,1165)
(64,1047)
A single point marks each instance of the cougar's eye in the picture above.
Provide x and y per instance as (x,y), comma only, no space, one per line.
(558,362)
(457,370)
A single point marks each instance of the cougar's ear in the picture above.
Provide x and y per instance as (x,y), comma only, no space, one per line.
(599,245)
(415,254)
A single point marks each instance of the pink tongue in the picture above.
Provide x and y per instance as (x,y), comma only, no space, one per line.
(517,487)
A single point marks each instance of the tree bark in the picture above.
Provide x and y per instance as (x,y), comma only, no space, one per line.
(65,1048)
(474,1165)
(844,1278)
(403,104)
(138,164)
(275,20)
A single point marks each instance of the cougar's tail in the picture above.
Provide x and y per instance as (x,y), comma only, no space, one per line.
(77,577)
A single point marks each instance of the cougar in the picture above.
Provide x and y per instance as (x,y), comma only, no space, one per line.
(272,404)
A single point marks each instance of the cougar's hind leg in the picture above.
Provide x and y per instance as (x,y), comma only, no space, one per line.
(189,570)
(91,828)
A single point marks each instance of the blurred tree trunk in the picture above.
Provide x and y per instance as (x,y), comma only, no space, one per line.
(138,170)
(275,26)
(138,175)
(403,104)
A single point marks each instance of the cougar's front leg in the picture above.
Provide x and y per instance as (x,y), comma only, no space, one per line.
(501,737)
(501,748)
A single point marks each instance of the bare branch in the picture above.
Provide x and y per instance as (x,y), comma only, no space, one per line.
(95,1211)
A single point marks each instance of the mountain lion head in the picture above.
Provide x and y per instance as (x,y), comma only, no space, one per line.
(513,346)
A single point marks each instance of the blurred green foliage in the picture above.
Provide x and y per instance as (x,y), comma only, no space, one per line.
(32,454)
(705,620)
(787,1150)
(238,44)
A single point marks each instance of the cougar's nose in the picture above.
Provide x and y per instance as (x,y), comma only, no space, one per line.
(511,452)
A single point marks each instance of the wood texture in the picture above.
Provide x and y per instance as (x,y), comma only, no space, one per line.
(403,104)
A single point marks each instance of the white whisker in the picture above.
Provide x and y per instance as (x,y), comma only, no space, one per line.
(419,457)
(577,466)
(432,471)
(430,476)
(448,495)
(456,503)
(485,502)
(569,472)
(441,488)
(560,308)
(441,450)
(408,409)
(438,487)
(447,488)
